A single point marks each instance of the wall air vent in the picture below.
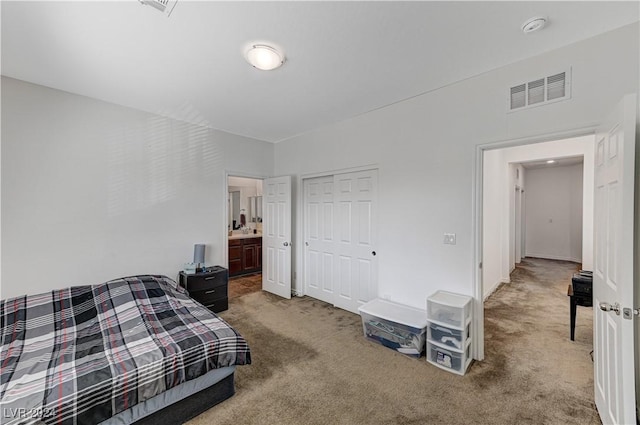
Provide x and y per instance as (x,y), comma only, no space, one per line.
(540,91)
(518,96)
(164,6)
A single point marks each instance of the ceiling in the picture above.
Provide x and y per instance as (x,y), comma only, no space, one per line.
(558,162)
(343,58)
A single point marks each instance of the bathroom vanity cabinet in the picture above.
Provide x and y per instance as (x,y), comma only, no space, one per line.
(245,255)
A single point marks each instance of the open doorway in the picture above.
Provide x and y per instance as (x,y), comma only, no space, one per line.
(610,159)
(553,220)
(244,234)
(537,230)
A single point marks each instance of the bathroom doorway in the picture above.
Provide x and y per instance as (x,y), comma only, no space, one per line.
(244,234)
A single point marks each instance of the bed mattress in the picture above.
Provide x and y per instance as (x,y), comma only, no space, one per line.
(86,353)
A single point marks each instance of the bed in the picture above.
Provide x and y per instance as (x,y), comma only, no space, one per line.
(132,350)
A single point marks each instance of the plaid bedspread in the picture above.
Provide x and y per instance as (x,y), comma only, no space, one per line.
(83,354)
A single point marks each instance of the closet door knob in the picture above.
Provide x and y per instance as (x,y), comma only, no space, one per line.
(373,253)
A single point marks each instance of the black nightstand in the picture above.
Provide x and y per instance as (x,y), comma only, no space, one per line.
(209,288)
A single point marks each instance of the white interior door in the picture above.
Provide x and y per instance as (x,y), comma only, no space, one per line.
(518,226)
(523,224)
(319,238)
(614,372)
(276,236)
(356,268)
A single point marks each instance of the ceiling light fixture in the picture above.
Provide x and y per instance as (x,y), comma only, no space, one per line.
(551,161)
(264,57)
(534,24)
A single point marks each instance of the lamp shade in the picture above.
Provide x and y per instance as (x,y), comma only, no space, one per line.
(198,253)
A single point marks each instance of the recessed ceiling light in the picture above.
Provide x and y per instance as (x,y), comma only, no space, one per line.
(551,161)
(534,24)
(264,57)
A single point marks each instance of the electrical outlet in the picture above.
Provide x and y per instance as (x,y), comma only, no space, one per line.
(450,238)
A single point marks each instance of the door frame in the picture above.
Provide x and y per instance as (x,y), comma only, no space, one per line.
(225,214)
(517,222)
(477,219)
(298,287)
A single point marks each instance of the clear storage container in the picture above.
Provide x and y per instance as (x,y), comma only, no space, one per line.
(396,326)
(449,309)
(449,331)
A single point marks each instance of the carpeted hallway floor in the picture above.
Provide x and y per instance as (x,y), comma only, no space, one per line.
(312,365)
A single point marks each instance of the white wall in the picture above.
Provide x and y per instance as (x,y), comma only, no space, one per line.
(554,213)
(93,191)
(426,146)
(493,216)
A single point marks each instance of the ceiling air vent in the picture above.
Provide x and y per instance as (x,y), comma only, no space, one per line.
(164,6)
(541,91)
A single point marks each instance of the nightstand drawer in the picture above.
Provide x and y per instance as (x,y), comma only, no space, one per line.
(205,281)
(210,295)
(219,305)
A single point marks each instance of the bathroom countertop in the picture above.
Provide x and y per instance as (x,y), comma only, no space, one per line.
(245,236)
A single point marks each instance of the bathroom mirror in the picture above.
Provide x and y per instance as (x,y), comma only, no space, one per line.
(255,209)
(234,210)
(245,202)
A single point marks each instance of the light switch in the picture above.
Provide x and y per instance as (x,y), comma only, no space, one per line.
(450,238)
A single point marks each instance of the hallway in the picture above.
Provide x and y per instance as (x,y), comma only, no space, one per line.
(527,337)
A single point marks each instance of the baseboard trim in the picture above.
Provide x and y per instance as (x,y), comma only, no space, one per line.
(555,257)
(495,287)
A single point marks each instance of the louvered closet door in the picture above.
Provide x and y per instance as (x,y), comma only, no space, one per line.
(319,238)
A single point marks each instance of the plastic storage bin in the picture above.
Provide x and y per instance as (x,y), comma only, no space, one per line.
(396,326)
(448,359)
(455,338)
(449,331)
(449,309)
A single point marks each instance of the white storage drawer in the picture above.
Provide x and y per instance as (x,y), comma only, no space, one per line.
(449,331)
(449,309)
(401,328)
(451,337)
(448,359)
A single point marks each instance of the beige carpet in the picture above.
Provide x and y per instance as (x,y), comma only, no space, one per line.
(312,365)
